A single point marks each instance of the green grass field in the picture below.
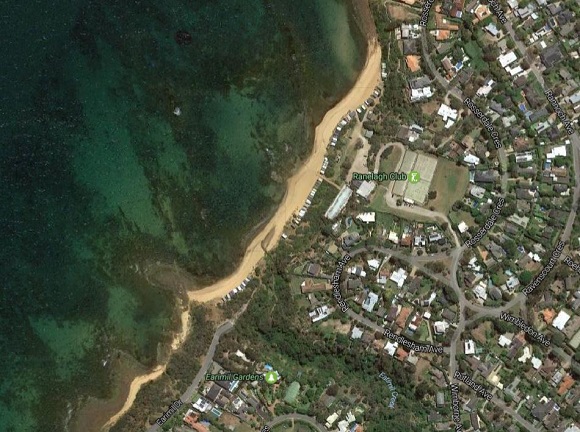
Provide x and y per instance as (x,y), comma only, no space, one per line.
(476,55)
(297,427)
(450,182)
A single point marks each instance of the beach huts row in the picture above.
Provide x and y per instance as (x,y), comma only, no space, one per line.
(237,289)
(351,115)
(298,218)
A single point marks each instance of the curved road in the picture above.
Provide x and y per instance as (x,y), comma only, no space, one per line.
(305,419)
(186,396)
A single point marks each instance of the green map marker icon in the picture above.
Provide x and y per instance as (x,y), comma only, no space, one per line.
(271,377)
(414,177)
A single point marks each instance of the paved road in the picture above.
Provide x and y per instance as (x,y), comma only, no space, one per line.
(186,396)
(501,404)
(427,58)
(310,420)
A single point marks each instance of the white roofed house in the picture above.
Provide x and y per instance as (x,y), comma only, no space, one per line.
(561,320)
(368,217)
(370,302)
(556,151)
(440,327)
(507,59)
(391,348)
(448,114)
(365,189)
(469,347)
(470,159)
(374,264)
(320,313)
(399,277)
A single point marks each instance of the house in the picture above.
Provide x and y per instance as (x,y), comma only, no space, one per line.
(393,311)
(368,217)
(561,320)
(410,47)
(488,176)
(448,114)
(440,398)
(474,419)
(319,313)
(551,55)
(313,269)
(399,277)
(350,240)
(457,9)
(507,59)
(440,327)
(469,347)
(356,333)
(370,302)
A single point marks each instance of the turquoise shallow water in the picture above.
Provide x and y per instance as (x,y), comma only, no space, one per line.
(99,178)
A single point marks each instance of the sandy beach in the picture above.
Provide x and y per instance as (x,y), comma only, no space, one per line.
(141,380)
(298,189)
(301,183)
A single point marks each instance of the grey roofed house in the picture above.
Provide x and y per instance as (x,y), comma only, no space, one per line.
(353,284)
(472,404)
(368,134)
(351,239)
(420,82)
(565,17)
(551,55)
(525,194)
(495,293)
(554,8)
(488,176)
(410,47)
(533,98)
(558,216)
(541,410)
(392,313)
(465,75)
(440,399)
(539,114)
(213,392)
(520,81)
(403,133)
(313,269)
(474,421)
(566,29)
(449,315)
(495,106)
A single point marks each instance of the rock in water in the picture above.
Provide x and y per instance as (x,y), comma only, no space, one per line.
(183,38)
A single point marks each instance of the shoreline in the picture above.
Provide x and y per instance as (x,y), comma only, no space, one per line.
(141,380)
(298,186)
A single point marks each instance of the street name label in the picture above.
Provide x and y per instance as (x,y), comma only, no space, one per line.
(412,345)
(478,388)
(394,393)
(167,414)
(455,407)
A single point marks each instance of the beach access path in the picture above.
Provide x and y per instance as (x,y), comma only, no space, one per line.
(301,183)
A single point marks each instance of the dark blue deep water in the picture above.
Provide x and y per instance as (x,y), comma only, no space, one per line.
(103,188)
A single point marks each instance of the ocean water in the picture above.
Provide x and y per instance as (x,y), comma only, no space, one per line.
(103,188)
